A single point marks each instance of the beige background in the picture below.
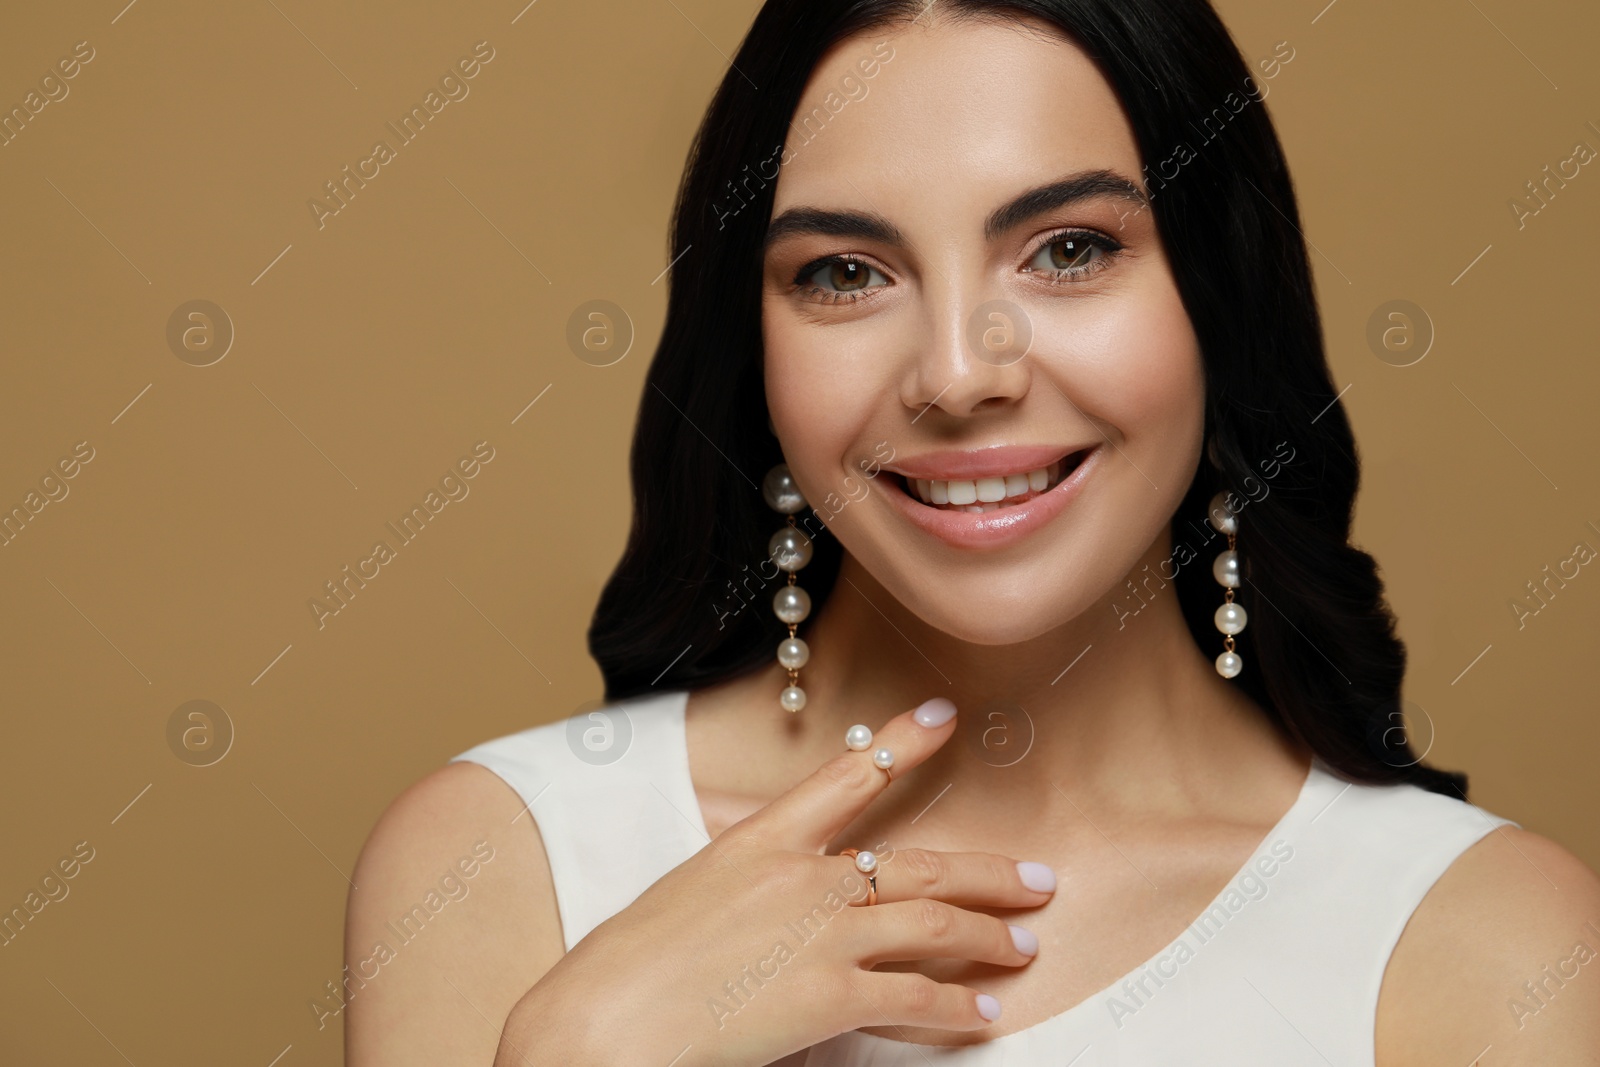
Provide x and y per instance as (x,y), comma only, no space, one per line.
(374,352)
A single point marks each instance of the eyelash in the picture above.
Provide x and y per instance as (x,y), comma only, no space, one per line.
(829,296)
(1055,276)
(1067,275)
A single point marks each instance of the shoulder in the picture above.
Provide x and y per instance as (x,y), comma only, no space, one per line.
(451,918)
(1501,953)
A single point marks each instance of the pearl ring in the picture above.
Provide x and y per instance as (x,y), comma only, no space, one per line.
(867,864)
(858,739)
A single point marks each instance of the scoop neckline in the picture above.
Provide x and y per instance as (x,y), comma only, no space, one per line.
(1315,773)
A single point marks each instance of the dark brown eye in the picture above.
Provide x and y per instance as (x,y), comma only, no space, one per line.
(844,275)
(849,275)
(1072,256)
(837,277)
(1067,253)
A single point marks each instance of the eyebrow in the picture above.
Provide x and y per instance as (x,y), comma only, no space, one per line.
(870,226)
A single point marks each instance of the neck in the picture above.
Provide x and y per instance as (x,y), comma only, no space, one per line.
(1119,695)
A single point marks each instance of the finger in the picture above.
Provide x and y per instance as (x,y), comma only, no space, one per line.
(932,929)
(961,878)
(812,813)
(906,998)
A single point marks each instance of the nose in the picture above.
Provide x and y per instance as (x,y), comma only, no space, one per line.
(971,358)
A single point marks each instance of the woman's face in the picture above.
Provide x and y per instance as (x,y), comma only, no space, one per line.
(977,326)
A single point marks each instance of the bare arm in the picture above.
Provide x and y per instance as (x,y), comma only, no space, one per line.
(1499,963)
(449,954)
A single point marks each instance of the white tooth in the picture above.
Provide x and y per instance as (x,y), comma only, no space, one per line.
(1039,480)
(976,509)
(991,489)
(989,507)
(962,492)
(922,489)
(938,491)
(1016,484)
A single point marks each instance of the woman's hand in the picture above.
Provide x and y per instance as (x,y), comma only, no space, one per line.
(760,944)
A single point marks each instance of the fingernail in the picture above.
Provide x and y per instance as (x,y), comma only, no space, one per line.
(988,1007)
(935,712)
(1036,876)
(1027,941)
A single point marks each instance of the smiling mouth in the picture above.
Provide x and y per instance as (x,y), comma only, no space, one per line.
(978,495)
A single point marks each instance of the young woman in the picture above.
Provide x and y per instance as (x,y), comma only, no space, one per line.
(1001,317)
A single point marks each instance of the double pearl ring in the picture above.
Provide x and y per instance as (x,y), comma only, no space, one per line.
(858,739)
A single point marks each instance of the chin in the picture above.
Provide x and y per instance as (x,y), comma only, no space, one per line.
(990,628)
(999,619)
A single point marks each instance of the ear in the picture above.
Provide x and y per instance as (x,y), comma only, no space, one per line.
(1211,452)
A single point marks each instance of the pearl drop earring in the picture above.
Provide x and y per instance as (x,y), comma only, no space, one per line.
(1230,618)
(790,550)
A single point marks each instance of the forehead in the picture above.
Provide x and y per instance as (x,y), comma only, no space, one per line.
(958,110)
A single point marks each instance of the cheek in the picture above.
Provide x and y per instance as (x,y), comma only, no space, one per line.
(822,392)
(1136,368)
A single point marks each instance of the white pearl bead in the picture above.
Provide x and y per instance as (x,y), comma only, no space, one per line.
(883,758)
(781,492)
(1230,618)
(1224,520)
(793,653)
(1229,664)
(1225,569)
(866,862)
(858,738)
(793,698)
(791,604)
(789,549)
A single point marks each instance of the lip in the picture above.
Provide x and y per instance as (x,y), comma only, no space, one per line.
(1005,526)
(992,462)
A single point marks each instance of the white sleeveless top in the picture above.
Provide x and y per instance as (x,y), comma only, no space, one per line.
(1284,967)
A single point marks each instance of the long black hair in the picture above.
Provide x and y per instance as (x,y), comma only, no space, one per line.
(689,602)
